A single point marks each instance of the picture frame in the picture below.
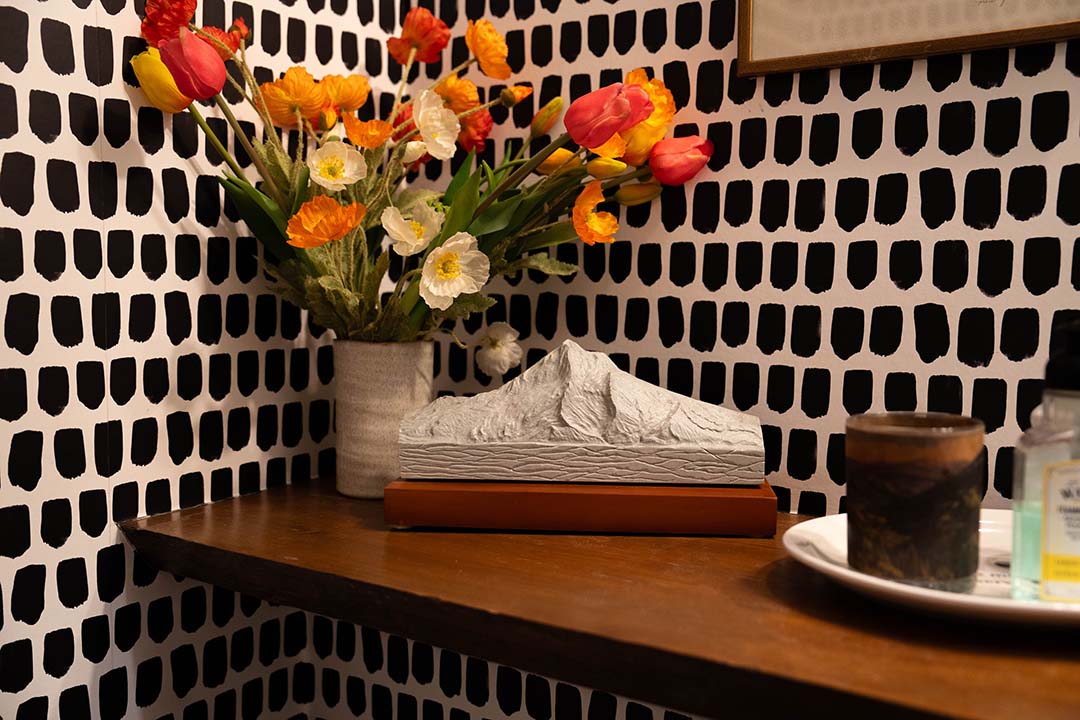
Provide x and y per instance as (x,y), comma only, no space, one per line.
(790,35)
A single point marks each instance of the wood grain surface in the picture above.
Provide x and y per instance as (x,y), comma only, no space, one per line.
(715,626)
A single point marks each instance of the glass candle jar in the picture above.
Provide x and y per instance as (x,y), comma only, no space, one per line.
(914,487)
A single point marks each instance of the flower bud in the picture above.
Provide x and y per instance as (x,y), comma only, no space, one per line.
(239,28)
(638,193)
(546,118)
(514,94)
(157,83)
(558,161)
(604,168)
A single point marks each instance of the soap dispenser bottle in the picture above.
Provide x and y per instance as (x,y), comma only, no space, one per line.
(1046,482)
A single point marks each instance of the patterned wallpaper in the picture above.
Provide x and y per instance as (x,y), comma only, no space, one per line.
(144,367)
(879,237)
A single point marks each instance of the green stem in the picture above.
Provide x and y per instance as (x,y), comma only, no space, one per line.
(259,103)
(405,277)
(635,174)
(536,230)
(415,309)
(215,142)
(404,80)
(520,174)
(275,191)
(454,71)
(301,141)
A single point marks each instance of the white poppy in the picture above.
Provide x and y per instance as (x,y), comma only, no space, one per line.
(413,233)
(454,268)
(414,150)
(499,350)
(438,125)
(336,165)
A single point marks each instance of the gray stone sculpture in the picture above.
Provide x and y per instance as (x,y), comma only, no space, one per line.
(575,417)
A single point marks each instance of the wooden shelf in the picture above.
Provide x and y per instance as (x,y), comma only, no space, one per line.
(715,626)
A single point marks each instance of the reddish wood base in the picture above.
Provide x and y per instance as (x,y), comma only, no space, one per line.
(748,511)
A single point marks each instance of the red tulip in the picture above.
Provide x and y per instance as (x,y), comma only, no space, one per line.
(196,67)
(675,160)
(592,119)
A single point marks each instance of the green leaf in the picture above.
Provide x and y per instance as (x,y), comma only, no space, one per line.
(278,165)
(289,277)
(300,189)
(548,265)
(555,235)
(409,198)
(462,209)
(322,308)
(262,215)
(489,174)
(466,305)
(459,178)
(507,167)
(497,217)
(373,279)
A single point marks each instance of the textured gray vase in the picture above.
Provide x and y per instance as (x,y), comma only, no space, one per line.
(377,385)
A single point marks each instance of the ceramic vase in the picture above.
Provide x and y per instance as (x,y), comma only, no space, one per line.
(377,385)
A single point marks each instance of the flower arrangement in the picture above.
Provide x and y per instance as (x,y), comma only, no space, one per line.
(332,211)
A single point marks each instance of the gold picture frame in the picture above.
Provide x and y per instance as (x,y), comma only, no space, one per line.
(888,29)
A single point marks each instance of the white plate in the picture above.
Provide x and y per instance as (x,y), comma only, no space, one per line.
(822,544)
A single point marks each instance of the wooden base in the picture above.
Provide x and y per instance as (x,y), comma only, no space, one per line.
(748,511)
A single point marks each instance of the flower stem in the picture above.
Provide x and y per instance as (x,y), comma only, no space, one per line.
(216,142)
(301,141)
(404,81)
(521,173)
(453,71)
(257,100)
(405,277)
(634,175)
(275,191)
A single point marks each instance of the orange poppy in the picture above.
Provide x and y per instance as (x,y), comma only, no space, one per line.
(591,226)
(229,40)
(475,128)
(489,47)
(164,18)
(423,31)
(344,95)
(366,134)
(403,122)
(613,148)
(295,92)
(459,94)
(641,137)
(323,219)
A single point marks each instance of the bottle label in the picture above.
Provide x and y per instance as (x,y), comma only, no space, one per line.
(1061,532)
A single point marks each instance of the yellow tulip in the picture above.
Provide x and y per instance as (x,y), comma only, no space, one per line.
(638,193)
(604,168)
(157,82)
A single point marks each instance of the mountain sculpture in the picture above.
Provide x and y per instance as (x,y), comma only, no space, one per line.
(576,417)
